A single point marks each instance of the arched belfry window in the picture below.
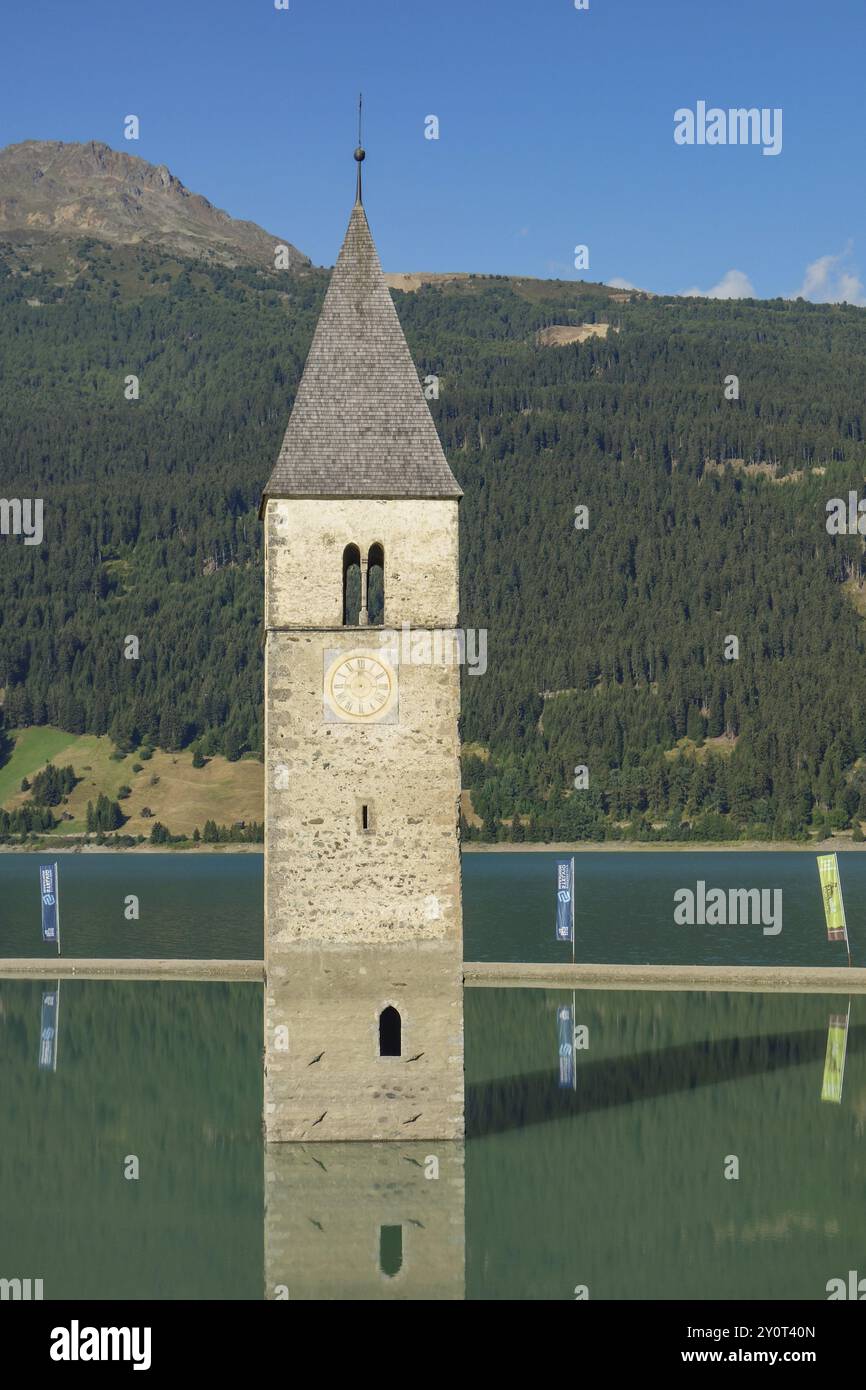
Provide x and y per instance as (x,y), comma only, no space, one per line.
(390,1029)
(376,585)
(351,586)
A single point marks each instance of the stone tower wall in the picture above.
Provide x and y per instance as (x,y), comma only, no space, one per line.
(304,543)
(358,919)
(323,1221)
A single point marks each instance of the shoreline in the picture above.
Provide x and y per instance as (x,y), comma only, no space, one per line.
(833,844)
(133,849)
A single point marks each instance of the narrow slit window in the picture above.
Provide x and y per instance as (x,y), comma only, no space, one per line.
(365,819)
(390,1029)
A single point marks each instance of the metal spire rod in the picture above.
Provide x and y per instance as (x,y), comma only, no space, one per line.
(360,155)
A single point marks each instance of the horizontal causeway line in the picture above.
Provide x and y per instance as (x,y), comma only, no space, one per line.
(787,979)
(790,979)
(83,968)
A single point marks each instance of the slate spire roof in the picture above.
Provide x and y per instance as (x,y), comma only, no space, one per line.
(360,426)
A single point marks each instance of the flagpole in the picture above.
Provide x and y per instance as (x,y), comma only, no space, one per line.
(847,941)
(573,992)
(845,1052)
(844,914)
(56,1027)
(572,909)
(57,892)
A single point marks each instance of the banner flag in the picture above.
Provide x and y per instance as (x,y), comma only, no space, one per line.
(831,892)
(48,1029)
(48,889)
(565,899)
(565,1023)
(834,1062)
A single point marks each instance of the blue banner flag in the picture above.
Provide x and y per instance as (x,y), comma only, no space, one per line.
(565,899)
(48,889)
(48,1029)
(565,1022)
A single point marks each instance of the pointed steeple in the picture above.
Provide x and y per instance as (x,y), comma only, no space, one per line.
(360,426)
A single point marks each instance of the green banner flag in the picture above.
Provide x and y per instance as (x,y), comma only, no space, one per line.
(831,892)
(834,1062)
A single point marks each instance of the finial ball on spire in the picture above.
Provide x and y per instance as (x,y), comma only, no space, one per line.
(360,154)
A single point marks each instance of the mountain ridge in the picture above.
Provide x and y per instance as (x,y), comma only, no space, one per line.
(59,190)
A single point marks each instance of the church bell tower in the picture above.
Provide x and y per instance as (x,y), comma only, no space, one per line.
(363,930)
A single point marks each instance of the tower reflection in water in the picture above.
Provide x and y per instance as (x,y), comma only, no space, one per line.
(365,1221)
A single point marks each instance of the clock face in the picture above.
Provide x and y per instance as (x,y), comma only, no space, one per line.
(360,686)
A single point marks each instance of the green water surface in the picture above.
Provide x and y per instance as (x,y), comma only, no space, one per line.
(616,1184)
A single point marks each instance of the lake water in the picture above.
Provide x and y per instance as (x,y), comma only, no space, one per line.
(201,905)
(616,1182)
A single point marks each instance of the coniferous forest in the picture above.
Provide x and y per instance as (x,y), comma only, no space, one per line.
(608,646)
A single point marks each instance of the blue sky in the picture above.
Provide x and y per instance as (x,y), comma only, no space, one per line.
(556,127)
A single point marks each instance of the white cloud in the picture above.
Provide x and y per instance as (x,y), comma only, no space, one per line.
(832,280)
(616,282)
(734,284)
